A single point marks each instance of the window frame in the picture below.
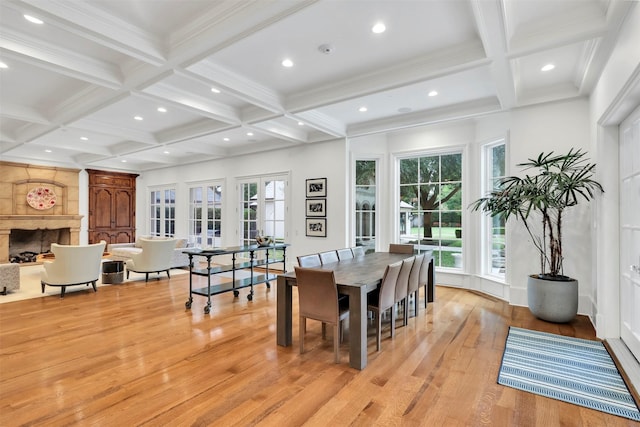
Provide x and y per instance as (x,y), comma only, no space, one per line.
(354,200)
(450,150)
(486,239)
(202,239)
(158,224)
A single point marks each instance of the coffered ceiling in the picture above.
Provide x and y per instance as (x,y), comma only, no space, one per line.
(74,84)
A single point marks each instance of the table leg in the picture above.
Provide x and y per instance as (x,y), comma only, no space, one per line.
(357,327)
(284,313)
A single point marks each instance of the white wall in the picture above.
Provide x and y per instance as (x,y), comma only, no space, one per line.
(616,94)
(312,161)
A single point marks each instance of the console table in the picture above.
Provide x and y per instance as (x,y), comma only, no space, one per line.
(235,265)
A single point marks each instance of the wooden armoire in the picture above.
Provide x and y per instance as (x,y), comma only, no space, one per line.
(112,206)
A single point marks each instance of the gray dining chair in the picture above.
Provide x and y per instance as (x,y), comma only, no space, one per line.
(413,290)
(384,299)
(357,251)
(329,257)
(397,248)
(311,260)
(318,300)
(344,253)
(402,286)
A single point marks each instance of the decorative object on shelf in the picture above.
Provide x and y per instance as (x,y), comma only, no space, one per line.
(317,227)
(264,240)
(316,187)
(41,198)
(552,184)
(316,207)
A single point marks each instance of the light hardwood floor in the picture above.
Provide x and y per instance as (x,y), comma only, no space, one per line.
(131,354)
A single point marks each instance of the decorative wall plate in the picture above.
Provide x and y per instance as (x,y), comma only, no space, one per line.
(41,198)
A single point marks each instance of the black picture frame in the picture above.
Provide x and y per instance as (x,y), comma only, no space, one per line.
(316,187)
(316,207)
(316,227)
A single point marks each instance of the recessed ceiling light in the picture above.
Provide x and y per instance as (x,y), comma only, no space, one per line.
(287,63)
(166,152)
(215,90)
(123,161)
(362,109)
(249,133)
(548,67)
(47,151)
(226,139)
(84,138)
(3,65)
(300,124)
(138,118)
(162,110)
(378,28)
(433,93)
(33,19)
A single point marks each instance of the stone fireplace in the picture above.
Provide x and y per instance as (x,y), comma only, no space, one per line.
(24,219)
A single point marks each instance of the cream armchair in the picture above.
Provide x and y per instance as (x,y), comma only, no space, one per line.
(156,256)
(73,265)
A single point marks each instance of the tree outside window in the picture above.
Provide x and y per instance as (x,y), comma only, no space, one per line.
(431,206)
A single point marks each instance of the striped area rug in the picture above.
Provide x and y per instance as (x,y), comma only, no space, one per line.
(573,370)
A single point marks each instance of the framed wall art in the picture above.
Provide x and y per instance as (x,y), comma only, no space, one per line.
(317,227)
(316,207)
(316,187)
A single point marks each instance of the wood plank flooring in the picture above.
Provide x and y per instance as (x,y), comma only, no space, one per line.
(132,355)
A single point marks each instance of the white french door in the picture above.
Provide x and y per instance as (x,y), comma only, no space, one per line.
(630,232)
(263,208)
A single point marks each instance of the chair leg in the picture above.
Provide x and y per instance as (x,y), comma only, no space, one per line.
(336,343)
(4,292)
(378,330)
(416,297)
(94,286)
(302,328)
(127,274)
(393,321)
(42,284)
(64,288)
(146,277)
(405,304)
(324,331)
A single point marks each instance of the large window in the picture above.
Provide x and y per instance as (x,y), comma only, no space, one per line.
(494,243)
(162,215)
(263,207)
(205,215)
(365,204)
(430,211)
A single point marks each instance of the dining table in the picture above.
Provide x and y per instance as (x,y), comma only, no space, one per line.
(355,277)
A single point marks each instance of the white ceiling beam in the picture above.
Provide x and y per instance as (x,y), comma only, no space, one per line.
(489,21)
(89,22)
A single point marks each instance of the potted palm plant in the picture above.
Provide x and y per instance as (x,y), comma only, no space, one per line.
(539,201)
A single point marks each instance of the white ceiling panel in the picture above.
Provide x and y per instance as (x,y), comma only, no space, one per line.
(95,64)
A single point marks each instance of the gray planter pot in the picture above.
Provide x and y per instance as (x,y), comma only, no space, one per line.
(553,300)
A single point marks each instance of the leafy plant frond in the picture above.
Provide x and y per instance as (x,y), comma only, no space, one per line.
(560,181)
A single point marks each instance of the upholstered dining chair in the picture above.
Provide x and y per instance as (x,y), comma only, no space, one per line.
(311,260)
(384,299)
(402,286)
(155,257)
(318,300)
(357,251)
(73,265)
(329,257)
(414,286)
(397,248)
(344,253)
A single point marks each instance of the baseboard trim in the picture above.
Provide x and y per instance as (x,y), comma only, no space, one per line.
(627,364)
